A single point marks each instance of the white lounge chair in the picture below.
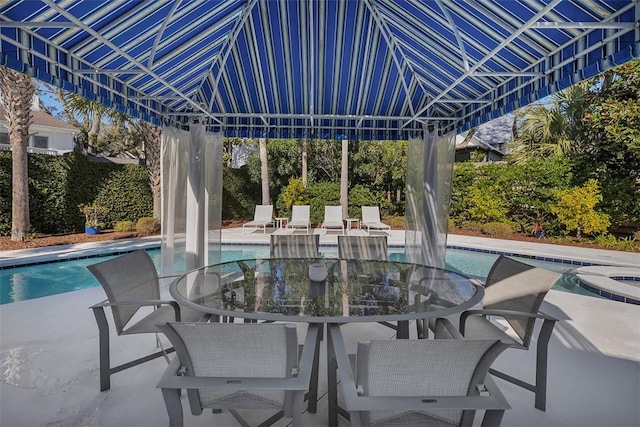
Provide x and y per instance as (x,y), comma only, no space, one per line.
(371,219)
(262,217)
(333,219)
(300,217)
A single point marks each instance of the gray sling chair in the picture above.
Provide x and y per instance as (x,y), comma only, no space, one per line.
(237,366)
(132,286)
(295,245)
(365,248)
(439,382)
(514,291)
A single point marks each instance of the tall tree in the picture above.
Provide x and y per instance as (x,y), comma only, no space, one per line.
(17,95)
(151,138)
(264,171)
(344,179)
(304,162)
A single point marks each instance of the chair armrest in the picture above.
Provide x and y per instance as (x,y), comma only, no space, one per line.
(107,303)
(446,330)
(504,313)
(548,324)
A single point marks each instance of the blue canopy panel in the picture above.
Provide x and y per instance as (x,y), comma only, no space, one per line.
(360,69)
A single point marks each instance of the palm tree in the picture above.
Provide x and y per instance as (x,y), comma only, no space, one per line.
(17,95)
(91,113)
(547,130)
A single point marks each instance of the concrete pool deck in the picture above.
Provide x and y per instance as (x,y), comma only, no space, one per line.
(49,349)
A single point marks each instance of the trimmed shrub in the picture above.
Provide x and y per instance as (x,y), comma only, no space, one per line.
(471,226)
(239,194)
(360,196)
(293,194)
(147,226)
(127,194)
(396,222)
(320,195)
(123,226)
(497,229)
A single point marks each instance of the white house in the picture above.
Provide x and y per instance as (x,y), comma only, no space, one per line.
(47,135)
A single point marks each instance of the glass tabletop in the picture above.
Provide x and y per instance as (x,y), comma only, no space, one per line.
(325,290)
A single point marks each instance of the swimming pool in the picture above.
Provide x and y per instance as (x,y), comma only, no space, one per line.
(36,281)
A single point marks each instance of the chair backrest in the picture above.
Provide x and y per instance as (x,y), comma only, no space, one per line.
(370,214)
(407,368)
(295,245)
(300,213)
(333,213)
(129,277)
(263,213)
(363,247)
(228,350)
(513,285)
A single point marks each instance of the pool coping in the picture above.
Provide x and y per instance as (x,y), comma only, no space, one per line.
(570,255)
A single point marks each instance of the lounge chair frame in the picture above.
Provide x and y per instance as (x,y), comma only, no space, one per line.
(371,219)
(262,218)
(333,219)
(300,215)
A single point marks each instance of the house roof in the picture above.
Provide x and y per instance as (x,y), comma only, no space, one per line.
(358,69)
(41,118)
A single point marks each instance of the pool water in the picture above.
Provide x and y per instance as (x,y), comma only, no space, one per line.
(35,281)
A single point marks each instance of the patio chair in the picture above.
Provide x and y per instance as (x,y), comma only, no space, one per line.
(415,382)
(333,219)
(131,282)
(363,247)
(237,366)
(371,219)
(262,217)
(300,215)
(294,246)
(514,291)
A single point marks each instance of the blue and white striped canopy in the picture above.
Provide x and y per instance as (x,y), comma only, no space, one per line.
(357,69)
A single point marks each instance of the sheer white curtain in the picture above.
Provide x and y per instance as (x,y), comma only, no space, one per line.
(429,175)
(191,174)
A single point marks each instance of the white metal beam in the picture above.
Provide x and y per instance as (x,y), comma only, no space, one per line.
(392,48)
(456,32)
(488,56)
(35,24)
(164,24)
(583,25)
(133,60)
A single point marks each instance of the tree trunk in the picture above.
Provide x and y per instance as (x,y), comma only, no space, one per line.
(17,93)
(344,179)
(304,163)
(94,132)
(152,137)
(264,171)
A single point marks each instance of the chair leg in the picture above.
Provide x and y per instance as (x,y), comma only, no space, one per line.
(174,406)
(542,356)
(103,339)
(332,382)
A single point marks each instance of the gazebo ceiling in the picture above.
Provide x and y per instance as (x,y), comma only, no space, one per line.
(361,69)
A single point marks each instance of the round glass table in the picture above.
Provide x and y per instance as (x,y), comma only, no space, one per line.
(325,290)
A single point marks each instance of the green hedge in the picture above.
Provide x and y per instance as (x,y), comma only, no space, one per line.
(57,185)
(239,194)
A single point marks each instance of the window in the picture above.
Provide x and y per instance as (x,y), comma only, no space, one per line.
(40,141)
(4,138)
